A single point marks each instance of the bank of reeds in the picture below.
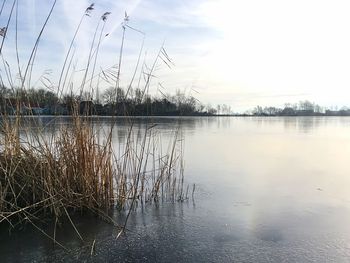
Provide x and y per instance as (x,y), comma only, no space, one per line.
(76,169)
(41,177)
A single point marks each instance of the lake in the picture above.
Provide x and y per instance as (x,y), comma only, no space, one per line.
(268,189)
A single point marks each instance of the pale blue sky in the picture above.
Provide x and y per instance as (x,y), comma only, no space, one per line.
(241,53)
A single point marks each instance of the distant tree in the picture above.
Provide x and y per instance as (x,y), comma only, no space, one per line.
(218,108)
(120,95)
(71,102)
(306,105)
(293,106)
(271,110)
(318,108)
(179,98)
(188,106)
(50,99)
(258,110)
(200,107)
(137,96)
(225,109)
(109,95)
(210,110)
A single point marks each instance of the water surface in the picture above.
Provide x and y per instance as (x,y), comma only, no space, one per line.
(267,190)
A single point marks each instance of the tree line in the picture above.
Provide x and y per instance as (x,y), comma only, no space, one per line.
(303,108)
(113,101)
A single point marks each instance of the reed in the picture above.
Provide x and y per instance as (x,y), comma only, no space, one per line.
(76,169)
(41,177)
(44,177)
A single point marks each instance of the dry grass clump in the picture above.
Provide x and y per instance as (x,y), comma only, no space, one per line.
(45,177)
(50,176)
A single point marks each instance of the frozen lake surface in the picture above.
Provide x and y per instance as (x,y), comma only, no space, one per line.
(267,190)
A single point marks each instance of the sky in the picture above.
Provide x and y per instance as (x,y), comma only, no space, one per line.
(239,53)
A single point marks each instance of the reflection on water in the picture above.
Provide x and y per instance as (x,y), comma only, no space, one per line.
(268,190)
